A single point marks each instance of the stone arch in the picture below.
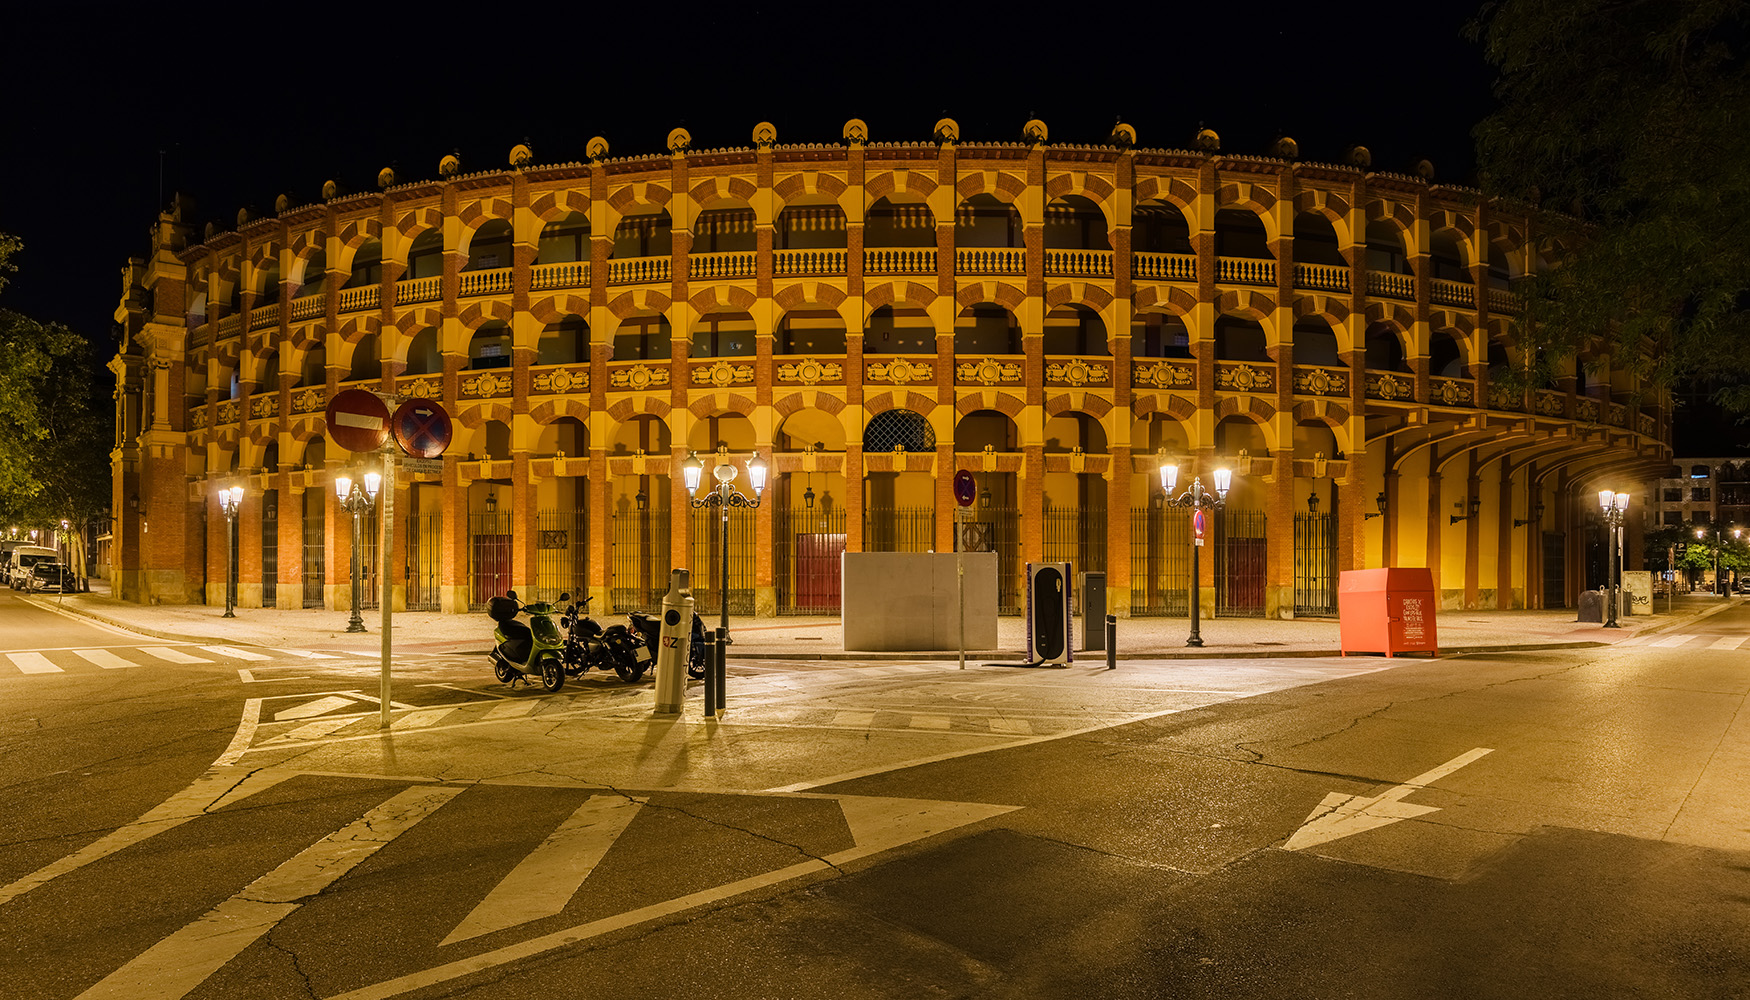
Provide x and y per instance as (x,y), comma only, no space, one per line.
(999,293)
(884,401)
(485,310)
(717,403)
(914,294)
(1169,299)
(409,226)
(1008,404)
(1250,412)
(639,301)
(552,206)
(1180,192)
(1093,187)
(732,188)
(722,298)
(643,404)
(553,308)
(1401,216)
(783,406)
(554,409)
(810,182)
(1078,293)
(918,186)
(1256,197)
(1331,206)
(1092,404)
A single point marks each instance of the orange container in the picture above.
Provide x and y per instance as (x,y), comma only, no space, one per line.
(1386,611)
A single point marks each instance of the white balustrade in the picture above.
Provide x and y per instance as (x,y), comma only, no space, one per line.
(1079,263)
(736,264)
(309,306)
(1164,266)
(362,297)
(639,270)
(564,274)
(495,281)
(1387,283)
(990,260)
(264,316)
(900,260)
(426,289)
(808,262)
(1453,293)
(1321,277)
(1245,271)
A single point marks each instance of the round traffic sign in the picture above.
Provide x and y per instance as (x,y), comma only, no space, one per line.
(357,420)
(422,427)
(965,488)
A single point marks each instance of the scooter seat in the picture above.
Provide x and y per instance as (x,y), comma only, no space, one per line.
(518,641)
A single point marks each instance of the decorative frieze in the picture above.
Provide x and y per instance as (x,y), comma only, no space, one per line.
(310,399)
(1245,378)
(420,386)
(1310,381)
(1389,387)
(638,377)
(722,374)
(1162,375)
(988,371)
(1078,373)
(1451,392)
(485,385)
(556,381)
(811,372)
(1548,402)
(900,371)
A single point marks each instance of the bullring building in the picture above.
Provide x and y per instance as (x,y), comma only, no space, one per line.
(869,317)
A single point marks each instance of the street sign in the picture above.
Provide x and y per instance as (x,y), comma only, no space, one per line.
(422,466)
(357,420)
(422,428)
(965,488)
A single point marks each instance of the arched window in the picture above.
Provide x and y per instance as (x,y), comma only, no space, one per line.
(490,247)
(984,221)
(422,354)
(891,428)
(490,347)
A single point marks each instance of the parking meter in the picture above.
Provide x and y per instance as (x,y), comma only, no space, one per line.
(673,638)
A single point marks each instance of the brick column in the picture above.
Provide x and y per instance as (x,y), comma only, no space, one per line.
(249,549)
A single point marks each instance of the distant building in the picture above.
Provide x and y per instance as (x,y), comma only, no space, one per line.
(869,318)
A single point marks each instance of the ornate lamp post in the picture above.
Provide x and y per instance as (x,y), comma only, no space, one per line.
(229,501)
(1719,538)
(724,496)
(1199,501)
(356,501)
(1612,506)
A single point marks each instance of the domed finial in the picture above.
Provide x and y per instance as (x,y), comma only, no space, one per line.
(330,190)
(1358,156)
(386,177)
(856,132)
(1425,170)
(212,230)
(947,132)
(1286,148)
(1123,136)
(450,166)
(765,135)
(280,204)
(243,217)
(1207,140)
(1035,132)
(680,140)
(521,155)
(597,150)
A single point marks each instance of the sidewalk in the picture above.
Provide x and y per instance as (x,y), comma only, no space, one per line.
(823,638)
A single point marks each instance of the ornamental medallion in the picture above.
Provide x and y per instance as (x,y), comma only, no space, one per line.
(1075,373)
(1321,382)
(562,380)
(1243,378)
(1164,376)
(424,387)
(988,371)
(1452,393)
(722,374)
(485,385)
(901,371)
(309,399)
(638,377)
(809,371)
(1389,387)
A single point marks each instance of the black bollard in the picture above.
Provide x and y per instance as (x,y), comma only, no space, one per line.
(721,668)
(1111,642)
(710,673)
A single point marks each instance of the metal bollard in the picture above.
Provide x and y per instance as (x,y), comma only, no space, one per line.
(673,638)
(1111,642)
(720,669)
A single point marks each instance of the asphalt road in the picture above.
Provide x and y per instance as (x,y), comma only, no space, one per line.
(1573,823)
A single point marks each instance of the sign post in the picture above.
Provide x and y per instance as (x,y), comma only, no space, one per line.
(965,489)
(386,547)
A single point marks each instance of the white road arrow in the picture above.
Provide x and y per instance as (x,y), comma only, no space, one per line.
(1342,815)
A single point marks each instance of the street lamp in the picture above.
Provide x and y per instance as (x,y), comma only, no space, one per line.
(229,501)
(1612,506)
(356,501)
(724,496)
(1199,501)
(1700,534)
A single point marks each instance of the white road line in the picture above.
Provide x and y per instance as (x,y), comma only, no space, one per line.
(1672,640)
(544,881)
(421,720)
(104,658)
(172,655)
(510,710)
(176,965)
(33,663)
(205,794)
(929,722)
(1340,815)
(245,733)
(236,654)
(321,706)
(311,731)
(855,720)
(1728,642)
(1018,727)
(306,654)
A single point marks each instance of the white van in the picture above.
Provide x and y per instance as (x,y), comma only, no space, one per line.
(24,559)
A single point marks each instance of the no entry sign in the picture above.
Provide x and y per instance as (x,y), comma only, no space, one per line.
(358,420)
(965,488)
(422,427)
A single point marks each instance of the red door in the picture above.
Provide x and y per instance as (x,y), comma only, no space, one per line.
(817,572)
(491,567)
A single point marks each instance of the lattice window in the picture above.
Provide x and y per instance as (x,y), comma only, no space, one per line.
(899,427)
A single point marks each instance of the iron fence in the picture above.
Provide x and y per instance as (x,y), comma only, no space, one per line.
(899,529)
(315,553)
(270,548)
(1315,564)
(1160,562)
(805,560)
(561,554)
(998,529)
(1241,564)
(705,553)
(425,543)
(1076,536)
(640,561)
(489,557)
(370,566)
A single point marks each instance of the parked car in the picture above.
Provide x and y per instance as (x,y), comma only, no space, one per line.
(23,559)
(46,575)
(1744,585)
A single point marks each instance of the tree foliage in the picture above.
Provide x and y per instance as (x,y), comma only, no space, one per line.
(1632,119)
(54,443)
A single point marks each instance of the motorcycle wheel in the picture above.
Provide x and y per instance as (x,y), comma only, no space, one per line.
(696,663)
(552,673)
(503,672)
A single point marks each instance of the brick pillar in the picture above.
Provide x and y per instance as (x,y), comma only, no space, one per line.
(854,496)
(1473,534)
(600,529)
(1280,506)
(945,503)
(217,548)
(1504,531)
(455,586)
(1118,484)
(289,592)
(524,536)
(1436,526)
(249,549)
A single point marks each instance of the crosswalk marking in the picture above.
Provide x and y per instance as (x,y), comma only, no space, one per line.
(510,709)
(104,658)
(1018,727)
(306,654)
(236,654)
(930,722)
(320,706)
(544,881)
(1727,642)
(1672,640)
(178,964)
(172,655)
(312,731)
(856,720)
(33,663)
(421,720)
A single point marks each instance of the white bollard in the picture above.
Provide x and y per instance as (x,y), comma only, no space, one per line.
(672,642)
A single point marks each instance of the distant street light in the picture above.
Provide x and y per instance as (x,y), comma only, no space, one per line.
(229,502)
(723,496)
(357,501)
(1198,501)
(1613,506)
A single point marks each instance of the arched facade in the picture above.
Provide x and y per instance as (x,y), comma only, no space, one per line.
(1083,312)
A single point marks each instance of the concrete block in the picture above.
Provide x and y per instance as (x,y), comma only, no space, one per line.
(906,601)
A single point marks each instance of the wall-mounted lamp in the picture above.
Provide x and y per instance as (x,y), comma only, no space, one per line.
(1474,505)
(491,503)
(808,498)
(642,499)
(1380,503)
(1312,502)
(984,497)
(1536,516)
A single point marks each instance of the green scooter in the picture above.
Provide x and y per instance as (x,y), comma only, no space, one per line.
(537,648)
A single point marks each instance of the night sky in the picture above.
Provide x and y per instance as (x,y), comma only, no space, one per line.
(107,114)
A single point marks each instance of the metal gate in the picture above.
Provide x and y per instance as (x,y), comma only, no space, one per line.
(899,529)
(705,553)
(1315,564)
(561,554)
(315,554)
(1555,569)
(425,542)
(1241,564)
(489,541)
(1076,536)
(270,548)
(805,561)
(370,565)
(640,561)
(998,529)
(1160,562)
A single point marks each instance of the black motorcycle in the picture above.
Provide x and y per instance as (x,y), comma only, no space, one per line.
(589,645)
(650,629)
